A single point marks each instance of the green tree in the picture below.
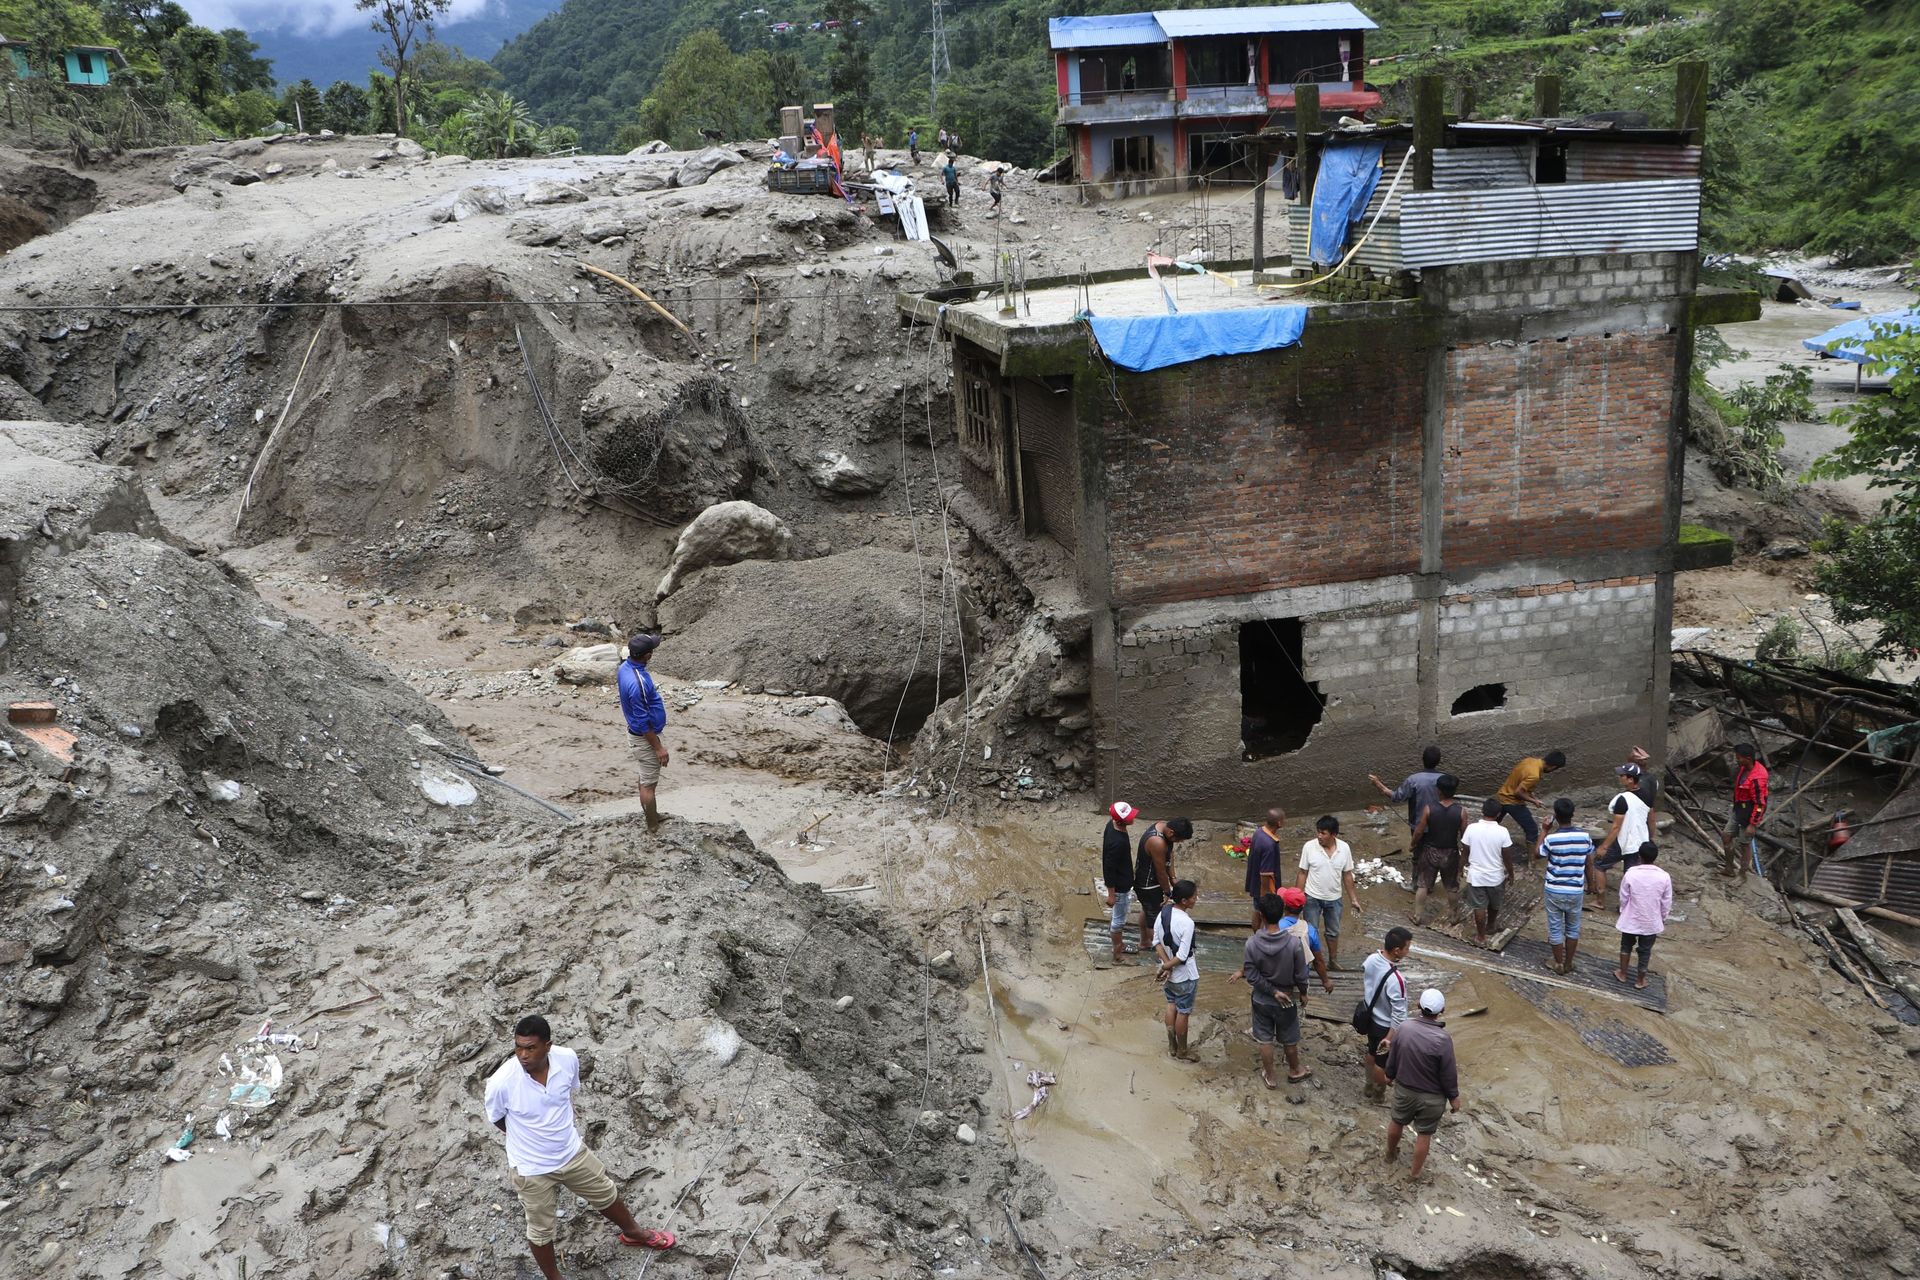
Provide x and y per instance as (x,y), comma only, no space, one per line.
(786,81)
(498,125)
(405,24)
(706,88)
(300,106)
(343,109)
(850,70)
(193,58)
(243,67)
(243,114)
(1873,569)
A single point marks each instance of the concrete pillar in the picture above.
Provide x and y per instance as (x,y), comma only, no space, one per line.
(1429,126)
(1690,100)
(1546,97)
(1306,120)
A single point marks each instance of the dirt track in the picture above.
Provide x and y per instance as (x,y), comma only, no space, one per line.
(424,552)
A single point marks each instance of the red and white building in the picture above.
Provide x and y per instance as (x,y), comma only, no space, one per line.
(1153,96)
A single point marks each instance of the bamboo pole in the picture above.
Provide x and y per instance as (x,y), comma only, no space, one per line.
(1877,956)
(1865,909)
(637,292)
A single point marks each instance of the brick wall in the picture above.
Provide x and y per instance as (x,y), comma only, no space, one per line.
(1556,447)
(1555,283)
(1286,468)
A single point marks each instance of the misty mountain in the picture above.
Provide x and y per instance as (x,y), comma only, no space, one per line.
(350,54)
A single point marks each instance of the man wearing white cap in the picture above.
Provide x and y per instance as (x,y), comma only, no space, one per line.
(1426,1083)
(1116,870)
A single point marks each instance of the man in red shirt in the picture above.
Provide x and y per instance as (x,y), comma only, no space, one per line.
(1750,780)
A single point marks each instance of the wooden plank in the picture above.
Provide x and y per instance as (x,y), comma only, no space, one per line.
(1528,957)
(1869,944)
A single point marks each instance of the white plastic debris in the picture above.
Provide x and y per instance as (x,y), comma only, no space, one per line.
(175,1155)
(223,790)
(722,1041)
(221,1128)
(1378,871)
(447,790)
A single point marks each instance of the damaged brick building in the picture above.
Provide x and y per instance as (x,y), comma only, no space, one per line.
(1447,512)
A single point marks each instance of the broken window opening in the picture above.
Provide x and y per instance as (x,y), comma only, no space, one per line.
(1482,697)
(1278,704)
(1133,157)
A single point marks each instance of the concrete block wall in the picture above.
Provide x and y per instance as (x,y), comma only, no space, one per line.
(1532,638)
(1566,283)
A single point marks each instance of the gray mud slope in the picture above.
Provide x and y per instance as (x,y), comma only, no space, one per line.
(237,833)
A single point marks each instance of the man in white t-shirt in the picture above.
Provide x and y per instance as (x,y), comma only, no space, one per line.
(1326,873)
(1631,818)
(530,1099)
(1489,867)
(1173,942)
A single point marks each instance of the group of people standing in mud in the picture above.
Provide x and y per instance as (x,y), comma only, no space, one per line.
(1296,928)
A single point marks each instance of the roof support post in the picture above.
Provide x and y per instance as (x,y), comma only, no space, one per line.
(1306,120)
(1429,126)
(1261,162)
(1546,97)
(1690,100)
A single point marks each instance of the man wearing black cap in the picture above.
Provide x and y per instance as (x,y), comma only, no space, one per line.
(1630,827)
(646,718)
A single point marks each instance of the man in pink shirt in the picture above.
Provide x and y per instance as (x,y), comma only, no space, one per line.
(1646,896)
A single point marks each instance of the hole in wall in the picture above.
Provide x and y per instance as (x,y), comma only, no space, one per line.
(1278,704)
(1482,697)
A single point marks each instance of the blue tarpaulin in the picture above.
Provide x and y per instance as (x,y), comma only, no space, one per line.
(1848,340)
(1143,343)
(1347,178)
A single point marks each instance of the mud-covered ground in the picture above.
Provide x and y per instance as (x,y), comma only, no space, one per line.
(278,806)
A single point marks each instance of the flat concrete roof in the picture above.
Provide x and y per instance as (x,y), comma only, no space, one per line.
(1043,308)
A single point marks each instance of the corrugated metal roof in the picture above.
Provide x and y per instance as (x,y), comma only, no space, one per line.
(1442,227)
(1892,880)
(1181,23)
(1104,32)
(1629,162)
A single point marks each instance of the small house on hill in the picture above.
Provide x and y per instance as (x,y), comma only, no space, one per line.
(85,64)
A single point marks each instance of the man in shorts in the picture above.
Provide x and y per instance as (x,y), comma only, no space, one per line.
(1385,992)
(1116,872)
(1426,1082)
(1436,849)
(1517,798)
(1568,851)
(530,1099)
(1153,870)
(1174,938)
(1326,874)
(1489,867)
(1750,784)
(1276,965)
(646,719)
(1631,819)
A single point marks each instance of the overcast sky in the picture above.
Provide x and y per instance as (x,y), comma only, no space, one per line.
(313,16)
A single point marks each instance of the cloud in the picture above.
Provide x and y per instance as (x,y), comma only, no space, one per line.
(313,17)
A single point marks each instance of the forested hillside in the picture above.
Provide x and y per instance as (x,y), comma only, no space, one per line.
(1811,144)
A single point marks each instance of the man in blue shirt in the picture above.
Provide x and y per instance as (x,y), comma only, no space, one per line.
(646,717)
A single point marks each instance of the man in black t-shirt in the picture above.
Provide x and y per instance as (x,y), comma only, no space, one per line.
(1116,870)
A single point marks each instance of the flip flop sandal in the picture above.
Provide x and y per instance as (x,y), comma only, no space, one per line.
(649,1239)
(1297,1079)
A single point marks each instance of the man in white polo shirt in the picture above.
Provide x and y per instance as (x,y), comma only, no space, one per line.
(530,1099)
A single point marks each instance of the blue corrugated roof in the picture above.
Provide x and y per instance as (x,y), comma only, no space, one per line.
(1104,32)
(1848,341)
(1163,24)
(1262,19)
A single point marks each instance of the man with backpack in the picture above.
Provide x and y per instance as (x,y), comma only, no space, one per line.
(1278,958)
(1382,1006)
(1174,938)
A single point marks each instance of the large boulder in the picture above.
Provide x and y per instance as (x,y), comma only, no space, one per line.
(588,665)
(653,148)
(864,627)
(471,202)
(554,193)
(697,169)
(834,472)
(725,533)
(669,436)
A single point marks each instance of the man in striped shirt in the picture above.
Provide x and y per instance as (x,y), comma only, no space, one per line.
(1568,850)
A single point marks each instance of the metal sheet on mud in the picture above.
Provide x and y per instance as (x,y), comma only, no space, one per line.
(1628,1046)
(1221,954)
(1528,958)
